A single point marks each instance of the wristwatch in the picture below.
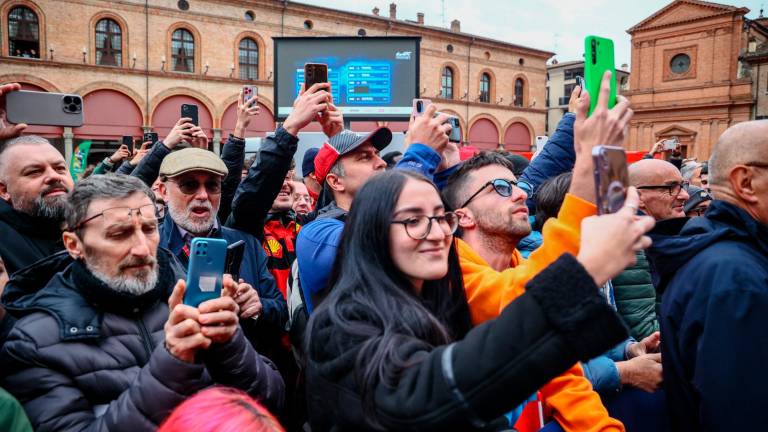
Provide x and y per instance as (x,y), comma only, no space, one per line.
(108,162)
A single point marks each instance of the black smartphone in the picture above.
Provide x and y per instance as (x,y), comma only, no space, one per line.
(315,73)
(128,141)
(151,137)
(190,111)
(235,253)
(611,178)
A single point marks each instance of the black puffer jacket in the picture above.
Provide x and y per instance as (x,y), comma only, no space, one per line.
(465,385)
(26,239)
(84,357)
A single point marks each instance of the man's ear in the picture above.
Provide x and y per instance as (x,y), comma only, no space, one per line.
(4,195)
(335,182)
(466,218)
(162,191)
(741,178)
(73,245)
(641,204)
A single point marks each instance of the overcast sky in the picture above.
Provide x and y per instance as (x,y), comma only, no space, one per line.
(554,25)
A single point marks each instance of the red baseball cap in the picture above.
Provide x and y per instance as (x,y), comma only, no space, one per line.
(346,142)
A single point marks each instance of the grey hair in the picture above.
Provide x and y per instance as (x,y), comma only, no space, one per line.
(337,169)
(21,140)
(688,170)
(98,187)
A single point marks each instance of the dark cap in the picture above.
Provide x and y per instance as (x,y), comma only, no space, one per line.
(308,163)
(346,142)
(697,196)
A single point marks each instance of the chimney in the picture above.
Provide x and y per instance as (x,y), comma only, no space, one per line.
(420,18)
(376,11)
(393,11)
(456,26)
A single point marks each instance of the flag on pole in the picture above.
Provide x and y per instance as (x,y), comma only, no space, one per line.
(79,160)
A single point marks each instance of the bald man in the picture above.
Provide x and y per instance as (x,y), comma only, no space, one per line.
(714,274)
(661,188)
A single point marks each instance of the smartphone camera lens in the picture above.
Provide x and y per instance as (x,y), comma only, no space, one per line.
(419,106)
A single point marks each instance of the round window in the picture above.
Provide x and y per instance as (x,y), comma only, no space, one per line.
(680,63)
(250,16)
(449,48)
(308,25)
(183,5)
(361,32)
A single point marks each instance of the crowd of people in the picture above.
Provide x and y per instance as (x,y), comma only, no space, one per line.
(414,291)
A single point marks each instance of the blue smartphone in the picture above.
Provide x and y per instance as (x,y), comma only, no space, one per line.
(205,273)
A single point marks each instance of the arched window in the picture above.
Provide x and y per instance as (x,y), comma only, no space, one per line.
(249,59)
(183,50)
(519,92)
(23,33)
(485,88)
(109,43)
(446,83)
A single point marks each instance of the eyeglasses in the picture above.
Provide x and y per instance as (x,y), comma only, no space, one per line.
(419,227)
(147,213)
(190,187)
(673,188)
(757,164)
(502,187)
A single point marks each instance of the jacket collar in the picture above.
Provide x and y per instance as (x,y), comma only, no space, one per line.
(172,239)
(42,227)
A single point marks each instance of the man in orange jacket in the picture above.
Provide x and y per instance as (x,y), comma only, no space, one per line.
(493,218)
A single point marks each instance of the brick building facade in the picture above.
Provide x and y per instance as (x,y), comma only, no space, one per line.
(135,63)
(687,78)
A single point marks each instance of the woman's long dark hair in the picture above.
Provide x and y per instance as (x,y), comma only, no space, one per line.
(372,303)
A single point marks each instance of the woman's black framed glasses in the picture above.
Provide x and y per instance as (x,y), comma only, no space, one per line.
(502,187)
(419,227)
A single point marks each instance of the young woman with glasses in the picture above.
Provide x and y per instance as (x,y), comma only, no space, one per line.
(391,347)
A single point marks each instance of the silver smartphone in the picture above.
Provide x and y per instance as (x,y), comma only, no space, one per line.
(43,108)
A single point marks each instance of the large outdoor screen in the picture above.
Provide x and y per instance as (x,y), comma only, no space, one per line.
(372,78)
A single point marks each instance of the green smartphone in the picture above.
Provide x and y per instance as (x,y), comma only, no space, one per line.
(598,58)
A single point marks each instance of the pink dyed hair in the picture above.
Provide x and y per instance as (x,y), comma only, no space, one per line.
(220,409)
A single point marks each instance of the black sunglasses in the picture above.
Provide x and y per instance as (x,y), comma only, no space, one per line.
(190,187)
(502,187)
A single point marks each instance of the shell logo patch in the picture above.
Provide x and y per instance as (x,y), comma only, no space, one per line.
(273,247)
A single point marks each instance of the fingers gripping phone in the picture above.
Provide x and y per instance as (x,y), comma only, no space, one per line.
(598,58)
(43,108)
(190,111)
(250,92)
(315,73)
(235,253)
(419,106)
(454,135)
(205,273)
(127,141)
(611,178)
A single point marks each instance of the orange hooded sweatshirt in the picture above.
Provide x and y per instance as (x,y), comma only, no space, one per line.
(570,397)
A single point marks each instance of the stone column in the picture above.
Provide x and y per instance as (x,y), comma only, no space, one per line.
(703,140)
(217,141)
(69,147)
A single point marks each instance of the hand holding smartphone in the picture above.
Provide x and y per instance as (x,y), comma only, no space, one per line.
(420,106)
(315,73)
(250,92)
(235,253)
(190,111)
(205,273)
(151,137)
(611,178)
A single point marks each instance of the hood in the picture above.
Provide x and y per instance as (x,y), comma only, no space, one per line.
(25,283)
(23,222)
(673,248)
(332,211)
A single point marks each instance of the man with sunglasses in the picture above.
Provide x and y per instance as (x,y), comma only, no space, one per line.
(663,192)
(191,184)
(107,344)
(714,275)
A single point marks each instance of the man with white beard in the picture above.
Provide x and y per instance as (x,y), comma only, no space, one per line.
(108,344)
(190,184)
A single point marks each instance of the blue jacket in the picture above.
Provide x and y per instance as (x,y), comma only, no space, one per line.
(253,268)
(714,275)
(558,157)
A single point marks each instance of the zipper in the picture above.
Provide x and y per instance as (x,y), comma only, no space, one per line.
(146,338)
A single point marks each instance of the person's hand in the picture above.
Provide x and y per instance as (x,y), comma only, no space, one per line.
(609,242)
(198,139)
(245,110)
(573,102)
(648,345)
(605,126)
(657,148)
(182,131)
(183,332)
(140,153)
(8,130)
(307,106)
(643,372)
(451,157)
(122,153)
(429,130)
(332,120)
(247,299)
(218,317)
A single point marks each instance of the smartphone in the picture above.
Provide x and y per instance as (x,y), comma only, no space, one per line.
(235,253)
(43,108)
(671,144)
(455,135)
(580,82)
(250,92)
(598,58)
(151,137)
(419,106)
(611,178)
(205,273)
(190,111)
(315,73)
(128,142)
